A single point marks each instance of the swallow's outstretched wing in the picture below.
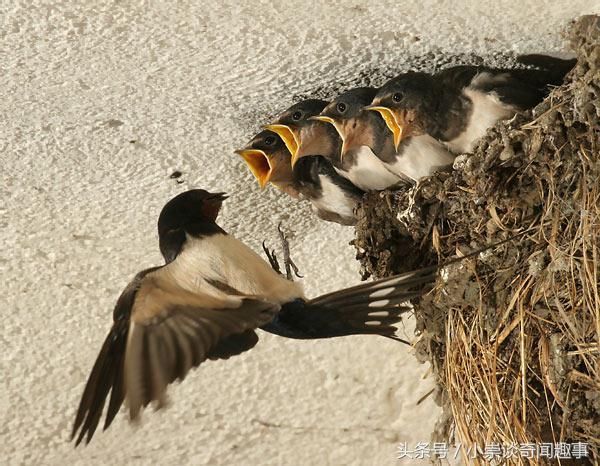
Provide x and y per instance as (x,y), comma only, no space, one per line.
(160,332)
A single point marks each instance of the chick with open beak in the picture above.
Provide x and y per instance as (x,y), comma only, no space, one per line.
(302,136)
(333,198)
(364,139)
(370,157)
(406,105)
(457,105)
(269,161)
(399,122)
(403,106)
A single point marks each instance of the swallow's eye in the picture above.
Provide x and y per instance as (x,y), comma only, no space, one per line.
(398,96)
(341,107)
(296,116)
(269,140)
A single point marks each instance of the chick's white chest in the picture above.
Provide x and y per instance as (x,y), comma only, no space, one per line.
(369,172)
(421,156)
(334,199)
(486,110)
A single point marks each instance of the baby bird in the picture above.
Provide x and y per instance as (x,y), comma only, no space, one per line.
(312,178)
(370,152)
(459,104)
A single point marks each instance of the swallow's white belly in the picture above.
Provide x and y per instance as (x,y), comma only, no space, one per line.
(224,259)
(369,172)
(421,156)
(487,110)
(334,199)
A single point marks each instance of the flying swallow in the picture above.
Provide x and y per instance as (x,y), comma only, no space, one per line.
(206,302)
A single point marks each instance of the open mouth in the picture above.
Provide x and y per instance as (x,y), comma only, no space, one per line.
(339,127)
(395,121)
(288,135)
(258,163)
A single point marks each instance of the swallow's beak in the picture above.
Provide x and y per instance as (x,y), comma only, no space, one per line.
(351,135)
(258,163)
(219,196)
(338,128)
(395,121)
(212,205)
(323,118)
(287,134)
(300,152)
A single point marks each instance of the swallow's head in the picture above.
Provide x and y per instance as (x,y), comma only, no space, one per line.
(268,159)
(351,120)
(189,208)
(190,213)
(403,103)
(288,124)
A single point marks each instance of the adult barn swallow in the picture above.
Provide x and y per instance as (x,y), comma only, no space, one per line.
(458,105)
(368,146)
(206,302)
(332,196)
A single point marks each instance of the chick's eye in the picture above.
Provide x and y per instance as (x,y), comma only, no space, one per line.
(397,97)
(341,107)
(269,140)
(296,116)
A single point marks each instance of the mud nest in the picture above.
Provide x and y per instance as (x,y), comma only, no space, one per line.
(513,335)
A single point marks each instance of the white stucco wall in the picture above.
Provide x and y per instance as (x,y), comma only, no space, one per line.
(78,205)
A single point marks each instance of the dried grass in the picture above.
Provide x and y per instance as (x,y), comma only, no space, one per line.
(514,336)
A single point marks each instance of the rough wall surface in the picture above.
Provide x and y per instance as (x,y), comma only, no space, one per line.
(100,104)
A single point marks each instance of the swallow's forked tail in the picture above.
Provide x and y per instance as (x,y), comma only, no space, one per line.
(368,308)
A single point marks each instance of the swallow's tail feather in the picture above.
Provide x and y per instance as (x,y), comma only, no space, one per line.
(369,308)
